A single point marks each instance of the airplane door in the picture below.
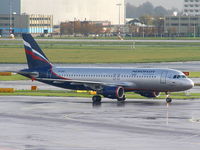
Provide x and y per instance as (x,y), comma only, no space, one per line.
(163,77)
(116,76)
(170,80)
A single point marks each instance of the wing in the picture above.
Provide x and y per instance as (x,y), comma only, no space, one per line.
(95,85)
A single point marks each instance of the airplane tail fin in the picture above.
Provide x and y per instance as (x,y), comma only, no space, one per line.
(35,57)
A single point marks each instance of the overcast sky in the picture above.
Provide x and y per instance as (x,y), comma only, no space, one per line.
(165,3)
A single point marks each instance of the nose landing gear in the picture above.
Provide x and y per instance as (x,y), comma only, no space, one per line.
(168,99)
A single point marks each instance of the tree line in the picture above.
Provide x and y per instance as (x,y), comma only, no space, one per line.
(147,8)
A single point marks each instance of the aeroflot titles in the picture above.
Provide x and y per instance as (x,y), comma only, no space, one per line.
(143,71)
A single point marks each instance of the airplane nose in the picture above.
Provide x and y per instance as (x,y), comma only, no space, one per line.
(189,84)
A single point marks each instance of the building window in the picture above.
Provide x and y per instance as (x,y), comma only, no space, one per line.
(39,18)
(174,24)
(194,24)
(5,24)
(185,18)
(184,24)
(194,18)
(40,25)
(6,18)
(174,18)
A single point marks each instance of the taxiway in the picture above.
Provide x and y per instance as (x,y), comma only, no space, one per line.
(51,123)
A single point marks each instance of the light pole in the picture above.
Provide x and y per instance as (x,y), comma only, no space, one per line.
(74,27)
(119,5)
(143,30)
(10,5)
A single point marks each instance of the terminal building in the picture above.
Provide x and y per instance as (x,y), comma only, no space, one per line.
(17,24)
(69,10)
(186,24)
(182,25)
(191,7)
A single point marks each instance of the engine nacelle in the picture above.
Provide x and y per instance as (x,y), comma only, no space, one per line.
(113,92)
(149,94)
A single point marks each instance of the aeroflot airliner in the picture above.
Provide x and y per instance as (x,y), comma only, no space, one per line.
(111,83)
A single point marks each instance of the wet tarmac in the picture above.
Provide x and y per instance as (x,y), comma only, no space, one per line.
(51,123)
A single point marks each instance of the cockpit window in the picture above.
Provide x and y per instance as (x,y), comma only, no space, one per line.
(179,76)
(183,76)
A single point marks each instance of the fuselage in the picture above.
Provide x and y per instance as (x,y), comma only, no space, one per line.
(132,79)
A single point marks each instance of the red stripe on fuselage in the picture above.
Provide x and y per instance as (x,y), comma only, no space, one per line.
(59,75)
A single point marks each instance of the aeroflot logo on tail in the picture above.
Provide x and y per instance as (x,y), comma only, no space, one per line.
(34,53)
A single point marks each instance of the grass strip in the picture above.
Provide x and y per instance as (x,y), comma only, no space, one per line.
(104,52)
(107,54)
(86,95)
(66,44)
(194,75)
(14,77)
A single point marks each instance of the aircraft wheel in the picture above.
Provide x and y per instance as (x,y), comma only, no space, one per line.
(96,99)
(168,100)
(122,99)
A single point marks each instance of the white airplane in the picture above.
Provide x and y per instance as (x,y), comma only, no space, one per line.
(111,83)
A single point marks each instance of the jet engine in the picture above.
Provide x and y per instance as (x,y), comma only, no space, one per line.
(149,94)
(113,92)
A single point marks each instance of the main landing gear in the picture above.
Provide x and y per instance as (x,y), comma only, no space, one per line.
(121,99)
(168,99)
(96,99)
